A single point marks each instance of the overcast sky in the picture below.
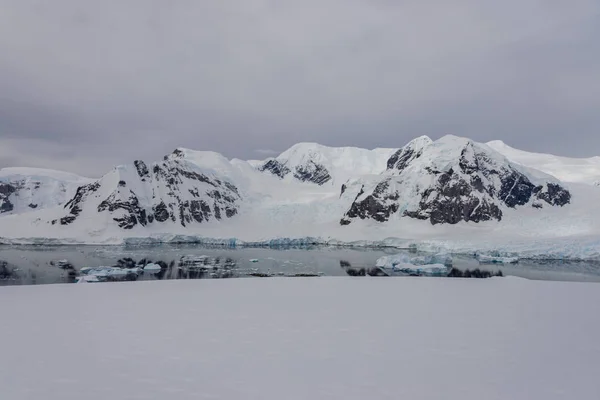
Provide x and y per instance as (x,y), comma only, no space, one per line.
(86,84)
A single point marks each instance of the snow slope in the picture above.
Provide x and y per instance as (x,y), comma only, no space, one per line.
(29,189)
(580,170)
(326,165)
(298,338)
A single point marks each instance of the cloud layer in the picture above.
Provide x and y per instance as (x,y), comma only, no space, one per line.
(86,85)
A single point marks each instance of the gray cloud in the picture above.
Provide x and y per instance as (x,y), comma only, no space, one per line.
(86,85)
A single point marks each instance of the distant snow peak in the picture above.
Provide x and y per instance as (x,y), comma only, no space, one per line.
(451,180)
(318,164)
(400,159)
(304,161)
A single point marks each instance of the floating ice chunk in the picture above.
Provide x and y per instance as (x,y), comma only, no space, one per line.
(422,266)
(484,259)
(152,267)
(108,273)
(442,258)
(87,279)
(117,272)
(391,261)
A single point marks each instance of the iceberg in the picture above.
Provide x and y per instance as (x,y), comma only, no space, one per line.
(152,267)
(87,279)
(485,259)
(102,274)
(420,266)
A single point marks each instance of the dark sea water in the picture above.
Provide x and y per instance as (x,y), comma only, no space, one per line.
(30,265)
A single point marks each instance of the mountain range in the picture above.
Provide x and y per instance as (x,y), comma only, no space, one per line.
(448,191)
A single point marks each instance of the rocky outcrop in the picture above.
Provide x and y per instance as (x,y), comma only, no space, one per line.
(275,167)
(378,205)
(6,190)
(142,169)
(450,181)
(310,171)
(76,203)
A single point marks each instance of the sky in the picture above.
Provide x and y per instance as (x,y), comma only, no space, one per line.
(86,85)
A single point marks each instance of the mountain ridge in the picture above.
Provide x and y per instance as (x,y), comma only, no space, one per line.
(425,189)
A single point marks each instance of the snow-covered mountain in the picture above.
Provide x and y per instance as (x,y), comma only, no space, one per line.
(449,191)
(451,180)
(580,170)
(26,189)
(315,163)
(174,190)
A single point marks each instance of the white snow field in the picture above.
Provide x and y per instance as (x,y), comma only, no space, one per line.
(302,338)
(579,170)
(42,188)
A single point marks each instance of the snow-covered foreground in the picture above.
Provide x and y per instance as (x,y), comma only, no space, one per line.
(320,338)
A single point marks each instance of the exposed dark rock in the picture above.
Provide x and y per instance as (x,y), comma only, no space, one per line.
(217,211)
(312,172)
(378,206)
(161,214)
(400,159)
(142,169)
(67,220)
(275,167)
(204,197)
(554,194)
(6,190)
(135,214)
(308,172)
(74,205)
(404,156)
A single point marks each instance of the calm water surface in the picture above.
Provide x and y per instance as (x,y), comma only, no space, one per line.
(30,265)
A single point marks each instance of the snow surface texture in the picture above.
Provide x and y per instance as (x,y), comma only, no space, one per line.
(580,170)
(302,338)
(449,195)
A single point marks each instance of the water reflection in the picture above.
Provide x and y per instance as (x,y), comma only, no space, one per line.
(64,264)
